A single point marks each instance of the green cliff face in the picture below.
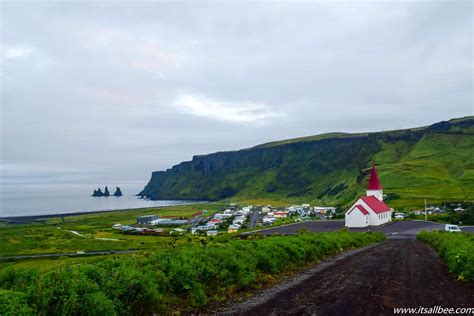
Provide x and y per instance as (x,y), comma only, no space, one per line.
(434,162)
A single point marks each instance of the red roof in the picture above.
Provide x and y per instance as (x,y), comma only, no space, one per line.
(374,183)
(375,204)
(360,208)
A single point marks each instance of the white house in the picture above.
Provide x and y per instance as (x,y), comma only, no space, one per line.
(323,209)
(266,209)
(369,210)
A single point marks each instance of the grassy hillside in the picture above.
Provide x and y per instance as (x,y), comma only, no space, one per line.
(434,162)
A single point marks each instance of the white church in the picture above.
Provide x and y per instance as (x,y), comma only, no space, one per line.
(369,210)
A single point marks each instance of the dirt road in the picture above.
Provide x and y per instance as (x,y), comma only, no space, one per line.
(396,273)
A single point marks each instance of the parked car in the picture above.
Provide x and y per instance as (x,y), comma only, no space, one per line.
(452,228)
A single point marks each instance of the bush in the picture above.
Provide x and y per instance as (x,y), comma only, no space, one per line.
(192,274)
(14,303)
(457,250)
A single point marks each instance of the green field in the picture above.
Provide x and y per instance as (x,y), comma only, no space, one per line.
(178,278)
(54,236)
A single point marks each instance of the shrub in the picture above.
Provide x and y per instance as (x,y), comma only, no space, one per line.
(192,274)
(457,250)
(14,303)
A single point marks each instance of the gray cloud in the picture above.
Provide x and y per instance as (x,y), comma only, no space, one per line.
(99,91)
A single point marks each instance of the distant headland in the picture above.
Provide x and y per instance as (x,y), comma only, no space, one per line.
(106,192)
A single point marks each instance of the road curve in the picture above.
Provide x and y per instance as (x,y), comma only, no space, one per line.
(395,273)
(409,229)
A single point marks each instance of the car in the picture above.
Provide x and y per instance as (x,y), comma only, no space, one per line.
(80,252)
(452,228)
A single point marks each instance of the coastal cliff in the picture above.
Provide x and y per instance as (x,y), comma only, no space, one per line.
(331,168)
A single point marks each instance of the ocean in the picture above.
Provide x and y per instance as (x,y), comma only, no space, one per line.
(39,199)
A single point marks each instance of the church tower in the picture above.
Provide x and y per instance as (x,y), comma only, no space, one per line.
(374,188)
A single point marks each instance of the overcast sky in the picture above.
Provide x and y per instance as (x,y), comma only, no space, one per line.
(98,91)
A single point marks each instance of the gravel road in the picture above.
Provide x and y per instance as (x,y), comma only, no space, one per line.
(395,273)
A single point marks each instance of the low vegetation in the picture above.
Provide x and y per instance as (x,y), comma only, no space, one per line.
(456,249)
(182,277)
(55,236)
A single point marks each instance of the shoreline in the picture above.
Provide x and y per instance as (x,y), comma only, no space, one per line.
(28,219)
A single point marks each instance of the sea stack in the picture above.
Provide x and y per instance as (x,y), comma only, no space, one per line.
(106,191)
(118,192)
(98,192)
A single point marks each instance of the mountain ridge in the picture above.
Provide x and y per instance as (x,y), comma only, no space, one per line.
(312,168)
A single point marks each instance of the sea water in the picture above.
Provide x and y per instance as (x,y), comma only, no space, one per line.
(39,199)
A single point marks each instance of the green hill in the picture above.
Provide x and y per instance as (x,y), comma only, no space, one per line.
(435,162)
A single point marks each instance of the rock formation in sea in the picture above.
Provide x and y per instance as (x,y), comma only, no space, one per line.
(106,191)
(118,192)
(98,192)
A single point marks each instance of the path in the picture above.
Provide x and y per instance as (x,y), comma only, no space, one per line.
(253,218)
(395,273)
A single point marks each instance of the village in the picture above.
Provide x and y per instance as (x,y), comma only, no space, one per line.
(368,210)
(229,220)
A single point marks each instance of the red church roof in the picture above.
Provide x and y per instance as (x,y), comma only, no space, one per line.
(362,209)
(375,204)
(374,183)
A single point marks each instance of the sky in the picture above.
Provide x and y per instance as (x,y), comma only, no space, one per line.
(111,91)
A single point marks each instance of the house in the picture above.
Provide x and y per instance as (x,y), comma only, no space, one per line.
(232,230)
(168,221)
(240,213)
(323,209)
(369,210)
(247,209)
(238,222)
(268,220)
(279,214)
(266,209)
(117,226)
(145,220)
(177,231)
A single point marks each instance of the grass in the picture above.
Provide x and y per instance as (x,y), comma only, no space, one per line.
(437,168)
(184,278)
(45,264)
(456,249)
(54,236)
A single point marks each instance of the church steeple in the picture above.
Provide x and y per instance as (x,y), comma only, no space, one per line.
(374,188)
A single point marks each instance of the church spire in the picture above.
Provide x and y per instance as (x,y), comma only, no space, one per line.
(374,188)
(374,182)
